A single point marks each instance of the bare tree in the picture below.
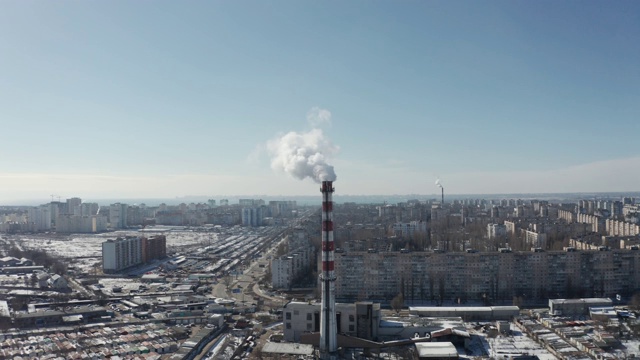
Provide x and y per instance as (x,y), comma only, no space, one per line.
(397,303)
(635,301)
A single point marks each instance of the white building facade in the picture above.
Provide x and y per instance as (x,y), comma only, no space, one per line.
(121,253)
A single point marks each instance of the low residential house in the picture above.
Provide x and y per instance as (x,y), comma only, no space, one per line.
(9,261)
(43,279)
(25,262)
(58,282)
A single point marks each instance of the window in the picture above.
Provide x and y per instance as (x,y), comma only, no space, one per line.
(352,328)
(309,317)
(308,326)
(288,316)
(288,325)
(351,318)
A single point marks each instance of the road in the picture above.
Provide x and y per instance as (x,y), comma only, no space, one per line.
(247,282)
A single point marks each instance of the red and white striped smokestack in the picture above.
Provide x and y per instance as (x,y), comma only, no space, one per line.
(328,325)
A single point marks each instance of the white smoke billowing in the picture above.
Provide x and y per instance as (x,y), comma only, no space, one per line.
(304,154)
(438,183)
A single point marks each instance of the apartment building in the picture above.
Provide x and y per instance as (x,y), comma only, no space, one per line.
(118,215)
(597,222)
(88,209)
(535,239)
(40,217)
(73,206)
(567,215)
(121,253)
(66,223)
(285,270)
(282,208)
(282,272)
(153,248)
(410,228)
(423,276)
(496,231)
(587,242)
(253,216)
(621,228)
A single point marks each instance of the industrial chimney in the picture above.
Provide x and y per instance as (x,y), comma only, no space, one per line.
(328,330)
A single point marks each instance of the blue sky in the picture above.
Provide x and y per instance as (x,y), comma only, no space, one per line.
(165,98)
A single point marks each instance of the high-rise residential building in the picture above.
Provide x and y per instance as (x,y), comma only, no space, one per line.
(281,208)
(423,276)
(410,229)
(88,209)
(153,248)
(122,253)
(253,216)
(73,206)
(56,208)
(118,215)
(286,269)
(282,272)
(535,239)
(40,217)
(66,223)
(597,222)
(621,228)
(438,213)
(135,215)
(496,231)
(567,215)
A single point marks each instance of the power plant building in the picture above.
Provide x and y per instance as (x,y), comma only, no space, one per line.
(360,319)
(363,320)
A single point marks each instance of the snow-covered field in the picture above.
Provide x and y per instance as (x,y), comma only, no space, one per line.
(91,245)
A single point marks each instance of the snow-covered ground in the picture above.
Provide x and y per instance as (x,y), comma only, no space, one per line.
(91,245)
(632,347)
(515,344)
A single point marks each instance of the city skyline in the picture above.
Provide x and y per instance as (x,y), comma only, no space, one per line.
(131,101)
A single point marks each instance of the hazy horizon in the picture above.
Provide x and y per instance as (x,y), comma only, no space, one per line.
(338,198)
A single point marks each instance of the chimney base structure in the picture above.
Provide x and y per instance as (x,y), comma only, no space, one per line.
(328,326)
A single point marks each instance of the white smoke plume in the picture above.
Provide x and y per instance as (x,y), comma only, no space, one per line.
(304,154)
(438,183)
